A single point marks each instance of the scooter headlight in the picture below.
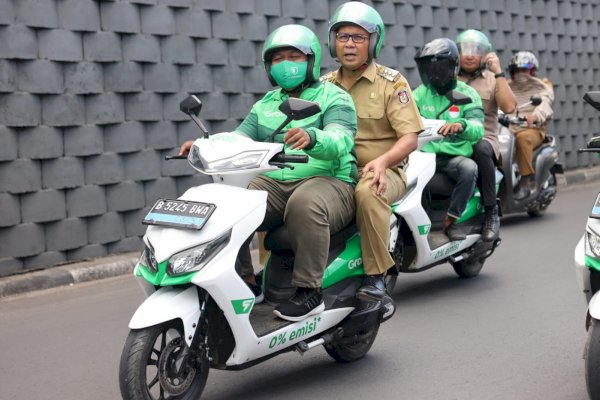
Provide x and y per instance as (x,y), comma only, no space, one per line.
(147,259)
(196,258)
(592,244)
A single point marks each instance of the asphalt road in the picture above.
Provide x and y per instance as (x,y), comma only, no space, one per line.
(514,332)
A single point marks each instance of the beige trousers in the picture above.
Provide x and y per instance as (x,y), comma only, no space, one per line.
(526,141)
(373,219)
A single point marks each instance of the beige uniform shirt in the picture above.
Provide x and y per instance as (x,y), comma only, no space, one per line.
(523,91)
(485,85)
(385,108)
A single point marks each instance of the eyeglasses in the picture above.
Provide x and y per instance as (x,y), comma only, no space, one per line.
(356,38)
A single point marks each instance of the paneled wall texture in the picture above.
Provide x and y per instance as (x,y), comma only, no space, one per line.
(89,94)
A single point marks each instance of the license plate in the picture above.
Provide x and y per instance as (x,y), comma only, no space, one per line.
(179,213)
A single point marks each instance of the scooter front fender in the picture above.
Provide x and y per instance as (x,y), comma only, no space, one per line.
(167,304)
(594,306)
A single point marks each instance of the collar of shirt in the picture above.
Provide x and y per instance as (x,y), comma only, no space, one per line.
(369,73)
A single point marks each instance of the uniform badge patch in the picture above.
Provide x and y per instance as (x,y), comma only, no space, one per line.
(403,97)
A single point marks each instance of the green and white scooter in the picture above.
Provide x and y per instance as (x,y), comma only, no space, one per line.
(587,268)
(200,314)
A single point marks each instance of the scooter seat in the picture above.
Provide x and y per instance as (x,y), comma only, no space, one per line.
(277,239)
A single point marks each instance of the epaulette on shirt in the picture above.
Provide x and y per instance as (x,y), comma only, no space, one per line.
(387,73)
(547,82)
(328,77)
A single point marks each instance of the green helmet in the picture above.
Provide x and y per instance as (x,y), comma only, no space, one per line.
(473,42)
(363,15)
(300,38)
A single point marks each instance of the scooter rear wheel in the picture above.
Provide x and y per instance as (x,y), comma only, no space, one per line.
(150,367)
(468,268)
(592,360)
(352,348)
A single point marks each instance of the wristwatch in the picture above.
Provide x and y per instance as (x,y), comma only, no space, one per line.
(499,75)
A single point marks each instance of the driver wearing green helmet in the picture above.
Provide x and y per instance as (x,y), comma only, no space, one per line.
(388,124)
(314,200)
(480,68)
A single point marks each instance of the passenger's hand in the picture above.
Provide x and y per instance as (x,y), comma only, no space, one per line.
(185,148)
(531,120)
(451,129)
(297,138)
(379,182)
(492,63)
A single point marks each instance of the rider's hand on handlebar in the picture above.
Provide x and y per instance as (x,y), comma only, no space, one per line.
(451,129)
(185,148)
(297,138)
(531,120)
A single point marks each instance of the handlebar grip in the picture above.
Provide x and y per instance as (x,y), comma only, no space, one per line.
(296,158)
(293,158)
(177,157)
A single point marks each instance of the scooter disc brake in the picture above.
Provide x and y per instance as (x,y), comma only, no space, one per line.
(174,378)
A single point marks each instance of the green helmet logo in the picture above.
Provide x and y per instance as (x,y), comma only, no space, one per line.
(363,15)
(300,38)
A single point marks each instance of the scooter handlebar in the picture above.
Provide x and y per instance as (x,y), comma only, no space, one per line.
(289,158)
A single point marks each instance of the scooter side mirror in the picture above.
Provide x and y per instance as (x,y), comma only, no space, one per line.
(457,98)
(593,99)
(594,143)
(191,105)
(535,100)
(299,109)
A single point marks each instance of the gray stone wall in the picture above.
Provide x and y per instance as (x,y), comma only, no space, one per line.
(89,94)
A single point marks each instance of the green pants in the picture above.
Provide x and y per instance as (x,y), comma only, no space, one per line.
(312,209)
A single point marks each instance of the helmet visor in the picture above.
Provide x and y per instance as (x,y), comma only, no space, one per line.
(472,49)
(438,74)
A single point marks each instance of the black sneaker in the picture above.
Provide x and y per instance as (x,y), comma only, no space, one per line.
(454,232)
(372,289)
(303,304)
(258,294)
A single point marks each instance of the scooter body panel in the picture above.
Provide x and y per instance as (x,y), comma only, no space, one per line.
(229,213)
(166,304)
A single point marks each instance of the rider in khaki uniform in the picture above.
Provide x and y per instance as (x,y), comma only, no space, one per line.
(480,68)
(388,124)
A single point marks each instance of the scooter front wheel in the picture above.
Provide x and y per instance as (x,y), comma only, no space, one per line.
(151,367)
(592,360)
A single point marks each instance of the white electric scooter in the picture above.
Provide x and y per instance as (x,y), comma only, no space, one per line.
(200,314)
(587,268)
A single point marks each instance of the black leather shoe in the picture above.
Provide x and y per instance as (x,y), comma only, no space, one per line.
(372,289)
(522,194)
(491,225)
(454,232)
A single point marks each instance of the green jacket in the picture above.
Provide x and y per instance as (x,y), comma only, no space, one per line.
(470,116)
(332,131)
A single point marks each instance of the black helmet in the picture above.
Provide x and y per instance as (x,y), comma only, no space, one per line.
(438,64)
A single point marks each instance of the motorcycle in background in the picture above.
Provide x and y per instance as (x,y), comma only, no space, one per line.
(545,163)
(587,268)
